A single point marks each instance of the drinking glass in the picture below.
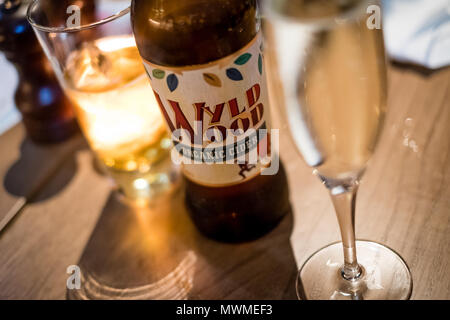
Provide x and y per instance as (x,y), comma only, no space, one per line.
(93,52)
(330,55)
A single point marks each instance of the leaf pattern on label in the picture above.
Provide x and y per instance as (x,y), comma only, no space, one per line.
(212,79)
(234,74)
(243,59)
(158,74)
(172,82)
(260,64)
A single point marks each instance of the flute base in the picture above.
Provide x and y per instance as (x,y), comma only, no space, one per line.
(385,275)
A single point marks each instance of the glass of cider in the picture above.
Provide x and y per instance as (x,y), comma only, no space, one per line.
(94,55)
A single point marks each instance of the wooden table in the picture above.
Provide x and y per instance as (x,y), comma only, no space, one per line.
(68,215)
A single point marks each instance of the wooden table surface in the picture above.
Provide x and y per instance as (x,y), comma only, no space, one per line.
(68,215)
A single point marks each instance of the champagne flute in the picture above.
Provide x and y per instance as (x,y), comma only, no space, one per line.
(331,58)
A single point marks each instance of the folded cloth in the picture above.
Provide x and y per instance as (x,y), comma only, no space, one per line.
(418,31)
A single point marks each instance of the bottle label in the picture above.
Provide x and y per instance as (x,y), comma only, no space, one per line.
(218,114)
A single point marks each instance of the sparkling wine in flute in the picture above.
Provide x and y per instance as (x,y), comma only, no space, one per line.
(342,93)
(332,66)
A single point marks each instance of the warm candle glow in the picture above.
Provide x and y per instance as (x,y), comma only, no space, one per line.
(118,111)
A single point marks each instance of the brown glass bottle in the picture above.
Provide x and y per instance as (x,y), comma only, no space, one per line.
(196,32)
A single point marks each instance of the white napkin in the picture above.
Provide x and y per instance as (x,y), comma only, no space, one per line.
(418,31)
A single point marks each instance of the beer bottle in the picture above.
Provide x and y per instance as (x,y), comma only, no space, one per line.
(205,63)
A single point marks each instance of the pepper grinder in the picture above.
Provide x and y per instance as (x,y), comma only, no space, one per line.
(47,113)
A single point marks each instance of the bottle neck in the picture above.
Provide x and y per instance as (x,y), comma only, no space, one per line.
(196,33)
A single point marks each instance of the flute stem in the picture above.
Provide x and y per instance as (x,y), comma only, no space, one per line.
(344,199)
